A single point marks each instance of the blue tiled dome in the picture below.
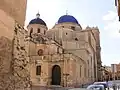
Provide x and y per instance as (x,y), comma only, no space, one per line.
(67,18)
(37,21)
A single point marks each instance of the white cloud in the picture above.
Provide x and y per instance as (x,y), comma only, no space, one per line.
(112,25)
(110,16)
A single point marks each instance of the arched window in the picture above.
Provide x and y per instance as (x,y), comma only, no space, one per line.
(76,39)
(80,70)
(38,70)
(44,31)
(85,71)
(31,31)
(72,27)
(57,49)
(38,31)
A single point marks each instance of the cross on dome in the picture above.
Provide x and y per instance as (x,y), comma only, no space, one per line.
(66,12)
(37,15)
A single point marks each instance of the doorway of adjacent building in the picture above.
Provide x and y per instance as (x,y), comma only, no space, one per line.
(56,75)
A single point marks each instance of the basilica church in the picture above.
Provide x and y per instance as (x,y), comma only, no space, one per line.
(65,55)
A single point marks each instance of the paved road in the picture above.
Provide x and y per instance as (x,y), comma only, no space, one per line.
(117,82)
(110,83)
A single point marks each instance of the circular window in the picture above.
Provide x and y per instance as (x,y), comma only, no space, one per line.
(40,52)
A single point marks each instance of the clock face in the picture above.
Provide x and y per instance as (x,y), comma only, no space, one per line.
(40,52)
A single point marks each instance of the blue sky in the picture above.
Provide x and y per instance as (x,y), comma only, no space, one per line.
(101,13)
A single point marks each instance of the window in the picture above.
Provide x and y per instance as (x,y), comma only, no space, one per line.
(80,70)
(57,49)
(91,60)
(44,31)
(63,51)
(73,28)
(85,72)
(38,30)
(76,39)
(38,70)
(31,31)
(40,52)
(88,67)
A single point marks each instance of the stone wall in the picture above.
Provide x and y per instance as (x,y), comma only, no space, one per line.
(15,8)
(20,60)
(5,63)
(14,63)
(6,25)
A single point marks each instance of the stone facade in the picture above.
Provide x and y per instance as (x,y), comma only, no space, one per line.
(74,50)
(14,62)
(5,63)
(20,61)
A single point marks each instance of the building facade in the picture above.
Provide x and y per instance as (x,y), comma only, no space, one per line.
(116,71)
(65,55)
(107,73)
(111,72)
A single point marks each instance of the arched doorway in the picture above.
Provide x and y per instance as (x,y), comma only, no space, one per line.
(56,75)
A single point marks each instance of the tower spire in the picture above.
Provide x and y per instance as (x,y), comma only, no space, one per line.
(37,15)
(66,12)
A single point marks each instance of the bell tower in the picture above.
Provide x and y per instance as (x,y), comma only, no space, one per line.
(37,26)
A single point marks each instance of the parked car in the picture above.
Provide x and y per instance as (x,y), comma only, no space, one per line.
(105,84)
(77,89)
(95,87)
